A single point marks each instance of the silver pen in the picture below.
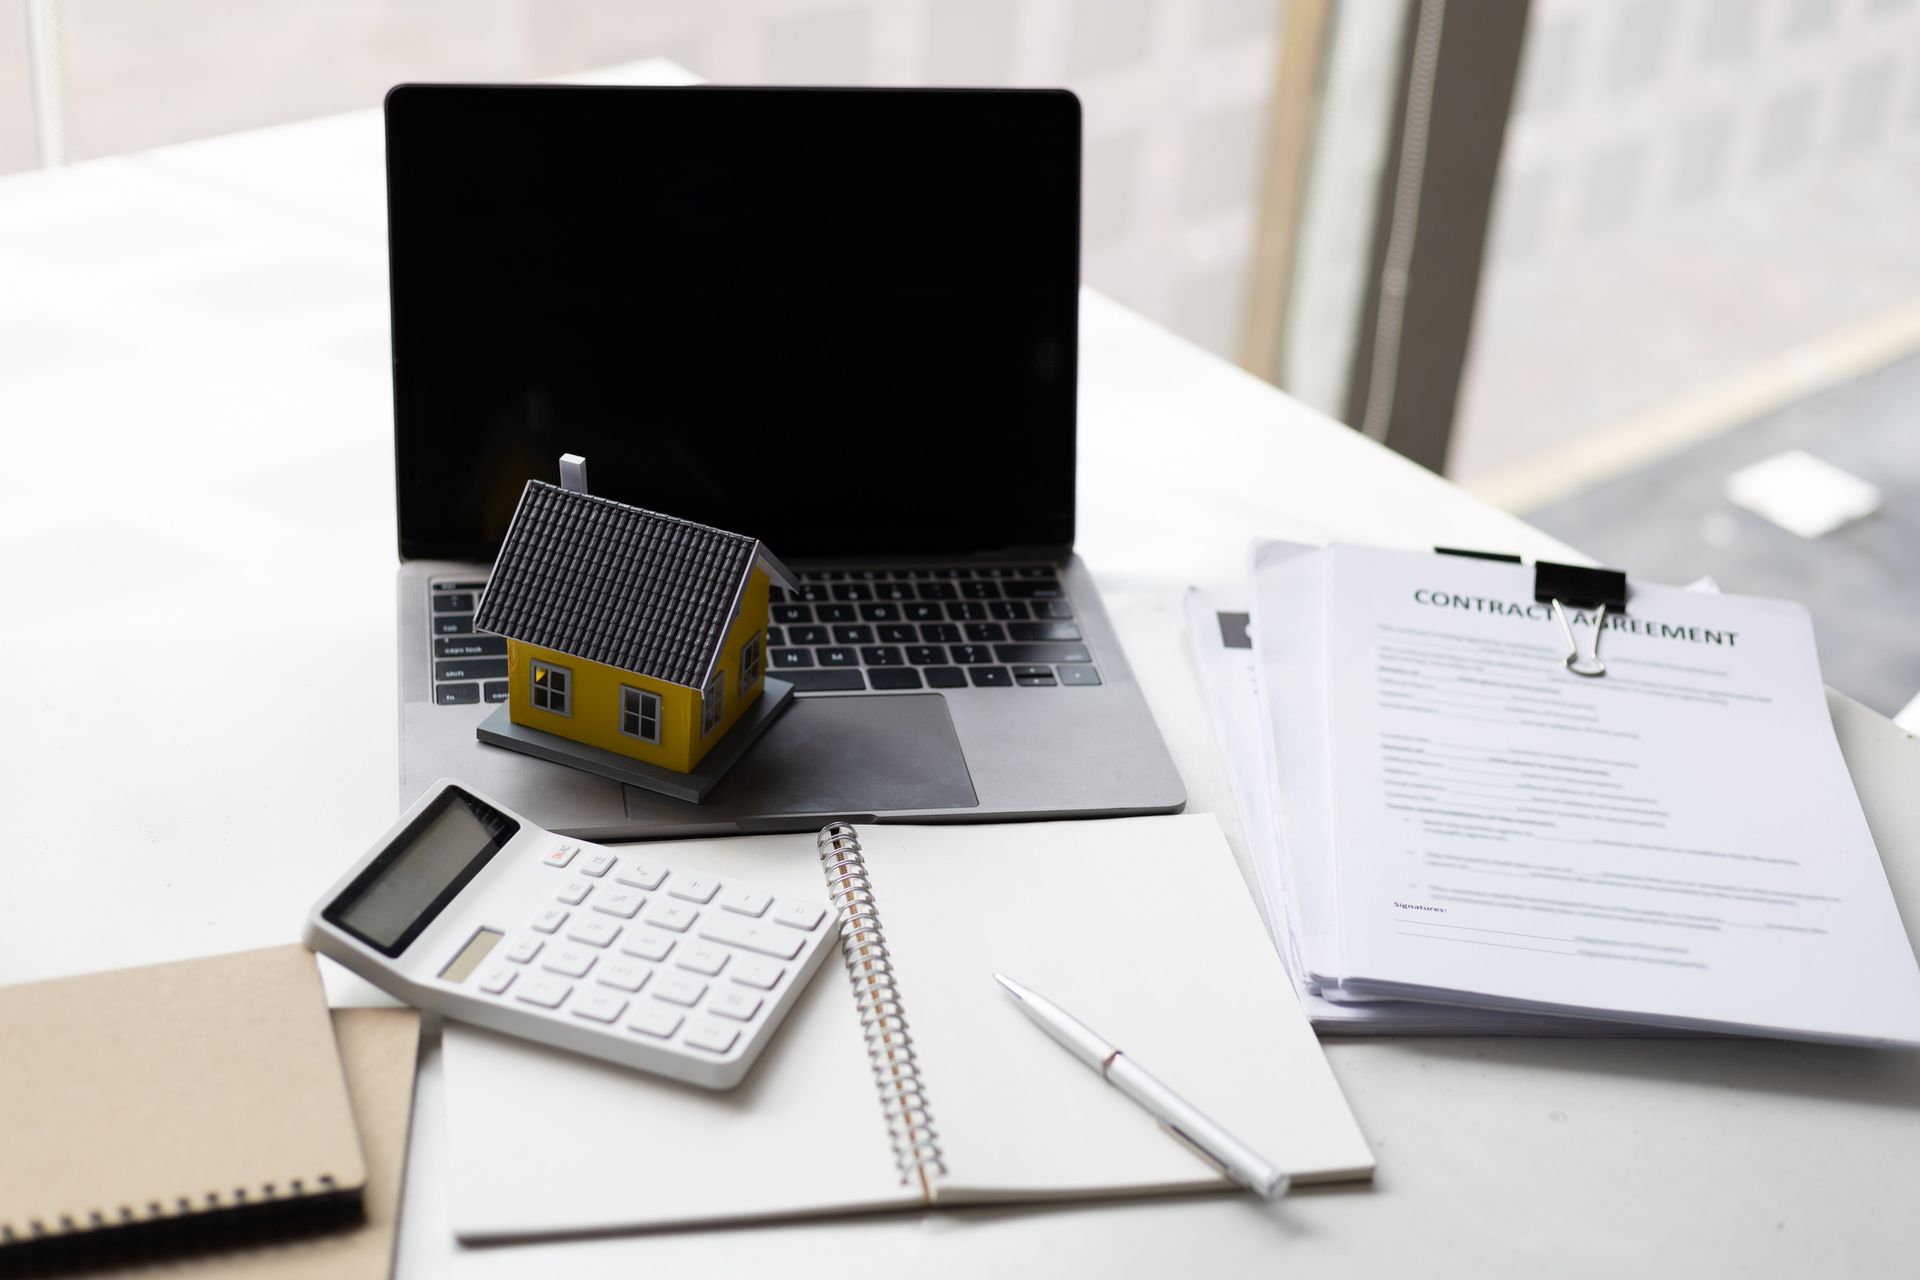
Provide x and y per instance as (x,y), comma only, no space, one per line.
(1176,1115)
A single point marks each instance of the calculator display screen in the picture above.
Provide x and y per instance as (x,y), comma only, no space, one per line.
(414,878)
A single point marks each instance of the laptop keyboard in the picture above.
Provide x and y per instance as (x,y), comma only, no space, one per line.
(851,630)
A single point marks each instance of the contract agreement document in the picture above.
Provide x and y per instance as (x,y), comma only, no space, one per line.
(1675,843)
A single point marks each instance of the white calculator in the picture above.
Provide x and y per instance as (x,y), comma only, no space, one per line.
(470,910)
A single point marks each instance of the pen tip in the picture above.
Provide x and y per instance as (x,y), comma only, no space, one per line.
(1012,987)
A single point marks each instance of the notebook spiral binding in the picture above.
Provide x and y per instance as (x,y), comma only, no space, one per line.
(883,1021)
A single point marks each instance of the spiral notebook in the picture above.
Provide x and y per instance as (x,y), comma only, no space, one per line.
(172,1106)
(905,1077)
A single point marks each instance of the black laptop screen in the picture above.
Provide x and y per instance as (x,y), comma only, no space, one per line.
(842,321)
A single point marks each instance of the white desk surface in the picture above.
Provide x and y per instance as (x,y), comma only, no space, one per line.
(196,552)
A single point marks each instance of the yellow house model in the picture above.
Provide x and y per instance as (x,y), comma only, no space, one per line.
(628,630)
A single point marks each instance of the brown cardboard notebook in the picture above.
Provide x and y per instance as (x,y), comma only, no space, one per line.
(172,1104)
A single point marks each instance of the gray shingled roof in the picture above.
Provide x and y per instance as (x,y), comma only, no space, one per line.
(615,584)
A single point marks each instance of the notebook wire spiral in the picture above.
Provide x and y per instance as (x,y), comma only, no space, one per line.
(883,1019)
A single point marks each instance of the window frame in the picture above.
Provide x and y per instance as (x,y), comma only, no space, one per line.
(755,645)
(711,700)
(640,713)
(536,688)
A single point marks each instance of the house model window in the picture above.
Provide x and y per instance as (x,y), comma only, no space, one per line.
(640,714)
(710,705)
(551,689)
(750,663)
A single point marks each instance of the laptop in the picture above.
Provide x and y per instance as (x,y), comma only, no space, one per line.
(842,321)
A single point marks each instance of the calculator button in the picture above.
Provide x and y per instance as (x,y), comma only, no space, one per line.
(735,1003)
(703,959)
(560,855)
(599,1006)
(574,892)
(755,972)
(593,931)
(572,961)
(671,915)
(711,1036)
(498,979)
(524,949)
(597,864)
(754,935)
(648,945)
(799,915)
(550,919)
(624,903)
(624,974)
(641,875)
(693,888)
(748,902)
(545,992)
(650,1017)
(680,989)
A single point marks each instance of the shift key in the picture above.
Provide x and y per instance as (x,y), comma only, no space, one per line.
(763,936)
(1041,653)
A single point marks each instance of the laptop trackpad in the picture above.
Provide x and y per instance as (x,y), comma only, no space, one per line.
(832,756)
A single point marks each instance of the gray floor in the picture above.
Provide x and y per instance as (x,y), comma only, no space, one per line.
(1671,522)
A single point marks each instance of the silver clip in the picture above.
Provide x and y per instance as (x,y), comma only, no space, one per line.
(1592,665)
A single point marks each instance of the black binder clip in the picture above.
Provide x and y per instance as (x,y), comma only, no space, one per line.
(1572,586)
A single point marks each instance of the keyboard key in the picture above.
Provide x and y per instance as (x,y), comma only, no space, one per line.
(459,586)
(1009,610)
(898,633)
(990,677)
(651,1018)
(495,690)
(788,659)
(560,855)
(574,892)
(550,920)
(761,936)
(702,958)
(855,635)
(810,592)
(921,611)
(1079,675)
(598,863)
(880,612)
(671,915)
(852,591)
(641,875)
(968,654)
(624,975)
(835,657)
(882,656)
(594,931)
(985,632)
(546,992)
(894,678)
(599,1006)
(809,635)
(755,972)
(748,902)
(1034,589)
(1052,609)
(471,647)
(824,681)
(498,979)
(648,945)
(926,655)
(524,949)
(1036,571)
(945,677)
(453,624)
(800,915)
(940,633)
(456,695)
(1034,677)
(681,988)
(1044,631)
(979,590)
(867,575)
(836,613)
(453,602)
(1048,653)
(735,1003)
(996,571)
(789,614)
(776,636)
(624,903)
(894,591)
(693,888)
(967,611)
(711,1036)
(571,961)
(470,669)
(939,591)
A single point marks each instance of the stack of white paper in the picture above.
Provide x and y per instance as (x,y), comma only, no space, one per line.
(1455,834)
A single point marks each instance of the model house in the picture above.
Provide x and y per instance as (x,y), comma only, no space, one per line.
(628,630)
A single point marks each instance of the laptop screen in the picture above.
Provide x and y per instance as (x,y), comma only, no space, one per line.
(841,321)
